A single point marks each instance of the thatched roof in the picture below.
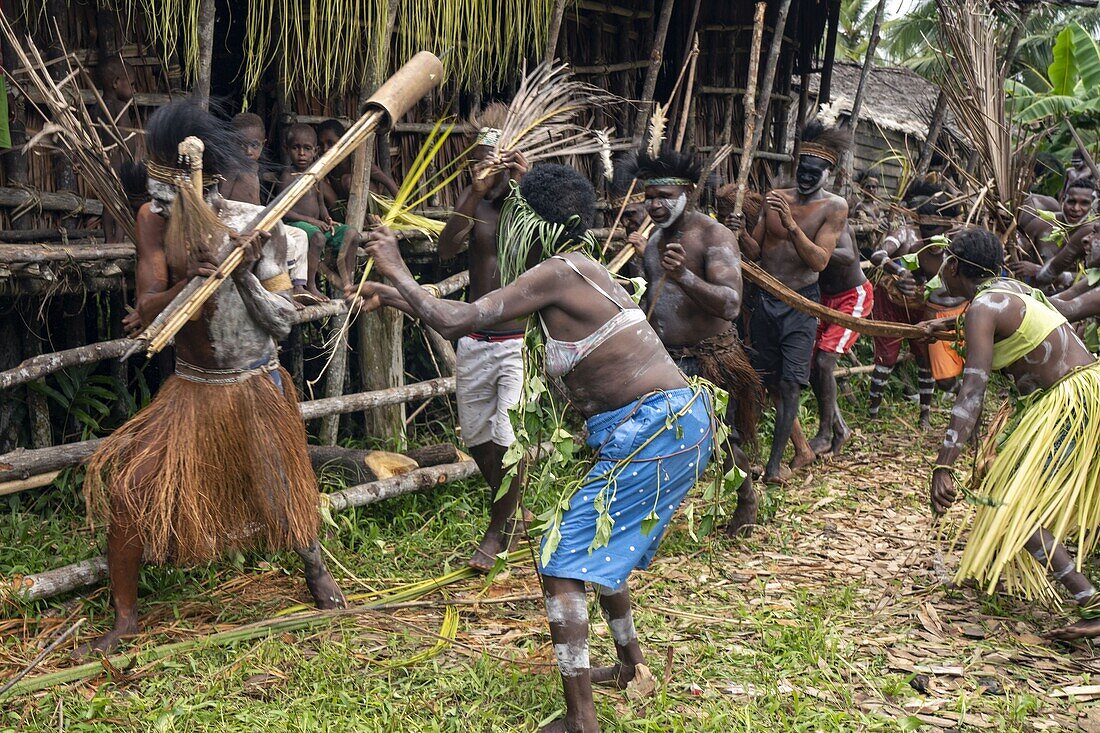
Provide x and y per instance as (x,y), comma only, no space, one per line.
(896,98)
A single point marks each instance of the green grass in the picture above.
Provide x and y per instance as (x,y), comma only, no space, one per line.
(756,643)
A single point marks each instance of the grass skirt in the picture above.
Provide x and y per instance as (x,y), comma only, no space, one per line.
(207,468)
(1046,474)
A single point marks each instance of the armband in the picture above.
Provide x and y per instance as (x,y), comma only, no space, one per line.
(278,283)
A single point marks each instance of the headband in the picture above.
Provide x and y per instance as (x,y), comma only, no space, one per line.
(638,198)
(669,181)
(175,176)
(489,136)
(818,151)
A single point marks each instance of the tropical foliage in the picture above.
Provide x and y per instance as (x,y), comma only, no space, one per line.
(1071,85)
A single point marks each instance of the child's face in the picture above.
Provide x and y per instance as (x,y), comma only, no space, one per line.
(254,140)
(303,150)
(122,87)
(326,139)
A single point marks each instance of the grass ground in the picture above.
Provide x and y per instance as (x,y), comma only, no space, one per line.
(827,619)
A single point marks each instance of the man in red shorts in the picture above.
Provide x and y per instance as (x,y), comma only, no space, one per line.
(844,288)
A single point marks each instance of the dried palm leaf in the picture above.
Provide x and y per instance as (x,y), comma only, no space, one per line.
(541,120)
(974,83)
(86,141)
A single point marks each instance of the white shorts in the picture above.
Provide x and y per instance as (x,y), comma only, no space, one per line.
(297,251)
(488,381)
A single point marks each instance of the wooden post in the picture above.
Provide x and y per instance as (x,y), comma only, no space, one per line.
(554,32)
(824,88)
(656,56)
(63,177)
(800,118)
(381,360)
(844,175)
(10,356)
(39,409)
(201,90)
(934,127)
(768,81)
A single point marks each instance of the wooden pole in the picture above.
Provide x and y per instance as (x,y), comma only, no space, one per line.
(845,172)
(381,358)
(824,88)
(768,81)
(935,125)
(752,111)
(800,119)
(555,30)
(201,91)
(656,56)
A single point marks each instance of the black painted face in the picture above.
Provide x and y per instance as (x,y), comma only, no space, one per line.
(811,174)
(633,216)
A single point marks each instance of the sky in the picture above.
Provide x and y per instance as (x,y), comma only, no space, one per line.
(895,8)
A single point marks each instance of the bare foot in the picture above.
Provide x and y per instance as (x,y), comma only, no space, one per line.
(313,291)
(925,420)
(1086,628)
(107,643)
(803,459)
(744,516)
(485,556)
(326,593)
(820,443)
(780,478)
(617,675)
(840,437)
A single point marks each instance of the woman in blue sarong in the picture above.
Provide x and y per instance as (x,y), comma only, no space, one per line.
(651,430)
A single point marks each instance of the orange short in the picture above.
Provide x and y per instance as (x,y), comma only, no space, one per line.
(947,361)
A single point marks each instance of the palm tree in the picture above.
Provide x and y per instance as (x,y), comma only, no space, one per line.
(854,29)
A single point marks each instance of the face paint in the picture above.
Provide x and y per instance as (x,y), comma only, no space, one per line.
(162,195)
(811,174)
(675,208)
(572,658)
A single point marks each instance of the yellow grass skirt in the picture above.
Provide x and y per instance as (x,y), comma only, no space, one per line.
(207,468)
(1046,474)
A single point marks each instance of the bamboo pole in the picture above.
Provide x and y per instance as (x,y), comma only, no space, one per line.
(335,376)
(656,56)
(414,79)
(684,113)
(845,172)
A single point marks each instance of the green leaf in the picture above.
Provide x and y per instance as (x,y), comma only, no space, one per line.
(604,524)
(553,539)
(733,479)
(649,522)
(1086,55)
(1062,72)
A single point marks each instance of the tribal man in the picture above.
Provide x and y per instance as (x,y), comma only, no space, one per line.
(1043,487)
(489,368)
(692,265)
(798,230)
(844,288)
(907,260)
(1082,299)
(218,460)
(1074,205)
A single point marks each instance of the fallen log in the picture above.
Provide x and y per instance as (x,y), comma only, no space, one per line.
(373,465)
(34,482)
(50,235)
(70,203)
(88,572)
(23,463)
(40,253)
(41,366)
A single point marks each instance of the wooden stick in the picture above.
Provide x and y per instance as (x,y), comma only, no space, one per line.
(845,173)
(555,30)
(619,216)
(42,655)
(694,55)
(769,69)
(627,252)
(34,482)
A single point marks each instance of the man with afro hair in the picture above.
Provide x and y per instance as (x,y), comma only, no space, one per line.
(692,264)
(797,231)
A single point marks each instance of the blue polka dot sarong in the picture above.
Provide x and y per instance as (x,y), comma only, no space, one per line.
(655,481)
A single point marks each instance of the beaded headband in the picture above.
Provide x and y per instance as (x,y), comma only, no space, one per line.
(175,176)
(818,151)
(489,136)
(638,198)
(670,181)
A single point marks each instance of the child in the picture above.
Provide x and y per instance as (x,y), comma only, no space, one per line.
(339,179)
(245,186)
(310,213)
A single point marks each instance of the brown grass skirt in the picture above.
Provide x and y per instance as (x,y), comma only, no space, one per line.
(723,361)
(208,468)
